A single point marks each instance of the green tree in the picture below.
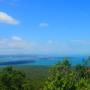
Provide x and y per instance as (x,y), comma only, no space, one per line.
(11,79)
(65,77)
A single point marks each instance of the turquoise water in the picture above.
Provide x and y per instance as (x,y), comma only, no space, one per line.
(36,60)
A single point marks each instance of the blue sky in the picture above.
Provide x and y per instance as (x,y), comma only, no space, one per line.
(45,27)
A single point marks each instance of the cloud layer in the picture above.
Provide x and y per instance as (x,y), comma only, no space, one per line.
(5,18)
(15,45)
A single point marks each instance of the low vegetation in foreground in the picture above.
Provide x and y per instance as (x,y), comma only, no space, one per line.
(62,76)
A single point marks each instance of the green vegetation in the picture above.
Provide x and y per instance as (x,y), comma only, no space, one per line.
(35,75)
(67,77)
(62,76)
(11,79)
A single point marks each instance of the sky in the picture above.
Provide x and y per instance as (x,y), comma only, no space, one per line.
(45,27)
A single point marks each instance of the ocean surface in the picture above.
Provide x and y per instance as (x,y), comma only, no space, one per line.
(9,60)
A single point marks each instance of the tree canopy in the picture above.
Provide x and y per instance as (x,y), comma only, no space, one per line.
(11,79)
(66,77)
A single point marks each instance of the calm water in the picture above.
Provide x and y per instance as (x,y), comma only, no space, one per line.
(36,60)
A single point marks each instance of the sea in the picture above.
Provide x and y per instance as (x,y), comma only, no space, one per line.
(41,60)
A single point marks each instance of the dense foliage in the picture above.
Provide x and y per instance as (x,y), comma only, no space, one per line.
(67,77)
(11,79)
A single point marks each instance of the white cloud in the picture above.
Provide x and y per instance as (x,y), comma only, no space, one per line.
(17,44)
(16,38)
(5,18)
(44,24)
(82,42)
